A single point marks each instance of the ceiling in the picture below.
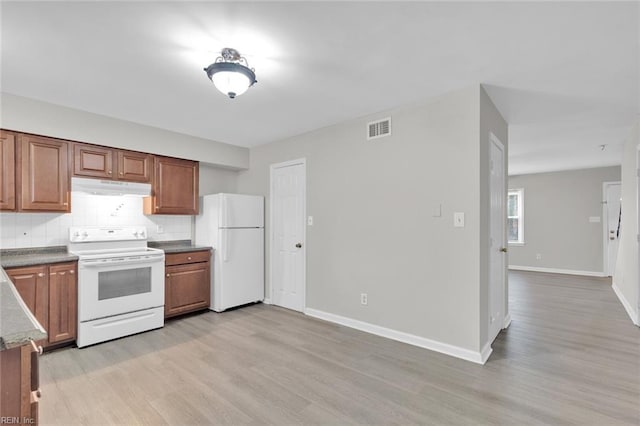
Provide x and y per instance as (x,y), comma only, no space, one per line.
(564,75)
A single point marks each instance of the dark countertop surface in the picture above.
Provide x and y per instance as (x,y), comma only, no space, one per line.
(11,258)
(17,324)
(177,246)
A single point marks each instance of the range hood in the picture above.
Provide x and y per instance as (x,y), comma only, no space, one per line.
(110,187)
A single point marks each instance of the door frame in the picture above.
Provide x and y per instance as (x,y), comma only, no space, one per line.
(303,162)
(605,228)
(506,314)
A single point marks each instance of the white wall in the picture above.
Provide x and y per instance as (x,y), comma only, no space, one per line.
(373,230)
(557,208)
(626,281)
(33,116)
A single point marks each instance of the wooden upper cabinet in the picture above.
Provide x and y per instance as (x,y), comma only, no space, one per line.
(109,163)
(8,171)
(43,174)
(92,161)
(175,187)
(134,166)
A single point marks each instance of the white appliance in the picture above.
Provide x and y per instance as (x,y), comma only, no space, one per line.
(233,225)
(110,187)
(120,282)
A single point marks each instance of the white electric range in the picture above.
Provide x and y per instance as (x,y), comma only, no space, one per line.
(120,282)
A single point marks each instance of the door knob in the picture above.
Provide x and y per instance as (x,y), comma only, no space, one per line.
(503,249)
(299,245)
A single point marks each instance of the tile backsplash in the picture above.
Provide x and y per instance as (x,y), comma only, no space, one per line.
(18,230)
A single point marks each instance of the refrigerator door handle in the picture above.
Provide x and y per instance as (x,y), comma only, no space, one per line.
(224,214)
(225,244)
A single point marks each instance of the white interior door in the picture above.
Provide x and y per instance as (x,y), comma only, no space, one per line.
(497,240)
(612,194)
(288,234)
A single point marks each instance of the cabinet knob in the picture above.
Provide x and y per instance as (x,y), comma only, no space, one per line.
(121,173)
(36,347)
(188,257)
(109,172)
(157,207)
(72,272)
(41,275)
(36,395)
(168,275)
(65,204)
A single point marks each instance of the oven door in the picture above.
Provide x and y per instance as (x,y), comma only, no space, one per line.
(108,287)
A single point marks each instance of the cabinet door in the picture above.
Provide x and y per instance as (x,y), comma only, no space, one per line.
(44,174)
(32,285)
(92,161)
(187,288)
(175,186)
(134,166)
(63,302)
(8,171)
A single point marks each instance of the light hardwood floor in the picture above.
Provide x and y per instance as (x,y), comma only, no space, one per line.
(571,356)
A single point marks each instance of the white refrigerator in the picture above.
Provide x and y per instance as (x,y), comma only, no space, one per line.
(233,224)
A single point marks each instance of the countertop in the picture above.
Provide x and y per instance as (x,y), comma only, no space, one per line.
(17,325)
(10,258)
(177,246)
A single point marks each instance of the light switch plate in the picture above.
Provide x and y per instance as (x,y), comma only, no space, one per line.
(594,219)
(458,219)
(310,221)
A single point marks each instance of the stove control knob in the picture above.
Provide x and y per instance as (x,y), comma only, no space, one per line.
(76,235)
(141,234)
(135,234)
(85,234)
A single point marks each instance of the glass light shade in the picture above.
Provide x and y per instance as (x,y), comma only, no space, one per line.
(231,83)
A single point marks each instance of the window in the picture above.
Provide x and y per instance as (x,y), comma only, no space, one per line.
(515,216)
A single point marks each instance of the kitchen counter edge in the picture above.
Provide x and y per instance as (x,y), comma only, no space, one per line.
(14,258)
(181,246)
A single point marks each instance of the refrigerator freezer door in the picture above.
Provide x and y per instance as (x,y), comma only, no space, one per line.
(241,211)
(240,268)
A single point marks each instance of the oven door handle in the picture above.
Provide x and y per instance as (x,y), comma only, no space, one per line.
(94,264)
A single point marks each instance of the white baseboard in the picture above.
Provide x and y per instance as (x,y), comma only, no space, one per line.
(267,301)
(485,353)
(633,314)
(411,339)
(556,271)
(507,321)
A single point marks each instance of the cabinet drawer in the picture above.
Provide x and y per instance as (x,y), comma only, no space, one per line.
(187,257)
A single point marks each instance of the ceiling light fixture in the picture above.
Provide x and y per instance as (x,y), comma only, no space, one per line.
(229,75)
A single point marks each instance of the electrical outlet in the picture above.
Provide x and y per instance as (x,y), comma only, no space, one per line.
(310,221)
(363,298)
(538,256)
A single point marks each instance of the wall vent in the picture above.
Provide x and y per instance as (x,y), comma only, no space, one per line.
(379,129)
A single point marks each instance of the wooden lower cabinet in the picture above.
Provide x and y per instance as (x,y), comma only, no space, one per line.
(32,283)
(63,302)
(19,387)
(187,285)
(51,294)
